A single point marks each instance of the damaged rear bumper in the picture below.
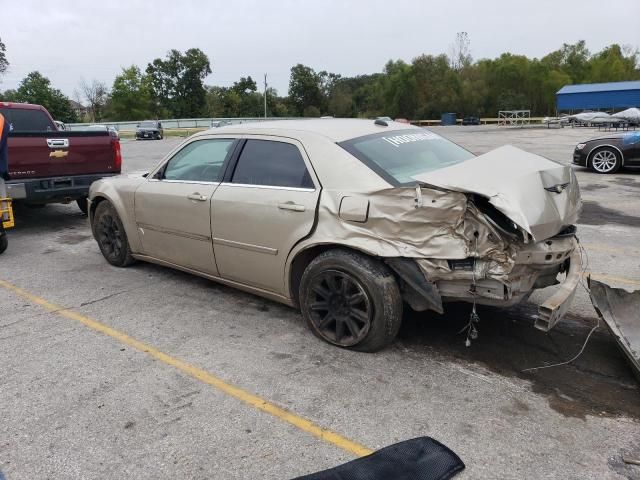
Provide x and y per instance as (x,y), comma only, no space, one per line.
(552,311)
(427,283)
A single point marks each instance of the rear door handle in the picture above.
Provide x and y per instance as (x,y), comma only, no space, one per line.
(196,196)
(291,206)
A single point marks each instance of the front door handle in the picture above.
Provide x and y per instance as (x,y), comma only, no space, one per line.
(196,196)
(291,206)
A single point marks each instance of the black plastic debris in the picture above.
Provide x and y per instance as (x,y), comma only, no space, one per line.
(422,458)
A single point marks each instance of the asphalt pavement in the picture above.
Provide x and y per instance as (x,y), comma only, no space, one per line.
(147,372)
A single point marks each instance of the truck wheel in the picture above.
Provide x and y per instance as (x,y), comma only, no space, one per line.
(82,204)
(110,235)
(4,242)
(351,300)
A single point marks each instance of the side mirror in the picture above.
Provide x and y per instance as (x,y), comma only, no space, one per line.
(137,125)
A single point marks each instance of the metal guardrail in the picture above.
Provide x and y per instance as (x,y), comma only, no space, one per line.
(483,121)
(177,123)
(202,123)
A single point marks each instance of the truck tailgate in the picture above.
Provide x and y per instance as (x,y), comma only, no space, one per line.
(64,153)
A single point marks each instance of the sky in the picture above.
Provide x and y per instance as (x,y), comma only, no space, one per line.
(68,40)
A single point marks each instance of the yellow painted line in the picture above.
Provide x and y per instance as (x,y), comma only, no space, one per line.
(199,374)
(611,278)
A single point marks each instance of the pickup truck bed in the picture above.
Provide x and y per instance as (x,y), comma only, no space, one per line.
(47,165)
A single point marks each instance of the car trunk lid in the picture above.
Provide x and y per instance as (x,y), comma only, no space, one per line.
(539,195)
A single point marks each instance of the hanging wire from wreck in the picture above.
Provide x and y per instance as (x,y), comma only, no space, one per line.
(584,257)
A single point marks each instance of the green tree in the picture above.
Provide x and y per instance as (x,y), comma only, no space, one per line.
(177,83)
(10,95)
(341,101)
(245,85)
(305,89)
(130,96)
(36,88)
(613,65)
(398,87)
(4,63)
(311,111)
(437,86)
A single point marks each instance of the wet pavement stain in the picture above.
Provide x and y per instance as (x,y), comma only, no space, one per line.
(590,187)
(627,182)
(595,214)
(73,238)
(598,383)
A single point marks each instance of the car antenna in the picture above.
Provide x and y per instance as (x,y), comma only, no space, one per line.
(380,122)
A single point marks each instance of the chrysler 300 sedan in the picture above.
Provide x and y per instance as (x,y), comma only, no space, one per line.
(348,220)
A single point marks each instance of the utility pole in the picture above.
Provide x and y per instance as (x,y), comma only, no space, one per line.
(265,95)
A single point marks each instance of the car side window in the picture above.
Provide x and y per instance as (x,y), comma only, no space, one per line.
(199,161)
(267,162)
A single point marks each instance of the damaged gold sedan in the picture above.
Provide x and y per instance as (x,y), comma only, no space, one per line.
(349,219)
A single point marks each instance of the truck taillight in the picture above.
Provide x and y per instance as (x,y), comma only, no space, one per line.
(117,155)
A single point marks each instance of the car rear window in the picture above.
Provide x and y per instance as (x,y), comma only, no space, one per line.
(266,162)
(400,154)
(27,120)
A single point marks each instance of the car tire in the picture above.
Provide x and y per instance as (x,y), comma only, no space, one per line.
(111,236)
(4,242)
(351,300)
(82,204)
(605,160)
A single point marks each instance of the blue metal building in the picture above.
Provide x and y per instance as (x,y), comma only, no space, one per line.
(599,96)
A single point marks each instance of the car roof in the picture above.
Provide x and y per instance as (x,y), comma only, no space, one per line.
(21,106)
(334,129)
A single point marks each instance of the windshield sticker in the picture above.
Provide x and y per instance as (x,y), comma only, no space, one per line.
(398,140)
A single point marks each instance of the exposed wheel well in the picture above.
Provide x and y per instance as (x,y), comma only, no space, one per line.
(303,259)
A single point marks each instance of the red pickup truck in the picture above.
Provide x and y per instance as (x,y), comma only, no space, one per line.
(51,166)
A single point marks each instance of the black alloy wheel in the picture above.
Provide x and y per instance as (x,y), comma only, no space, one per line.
(340,308)
(350,300)
(110,235)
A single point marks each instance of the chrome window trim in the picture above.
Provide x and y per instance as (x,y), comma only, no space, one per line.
(269,187)
(190,140)
(190,182)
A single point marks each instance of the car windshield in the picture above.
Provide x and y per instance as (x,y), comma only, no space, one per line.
(148,124)
(399,155)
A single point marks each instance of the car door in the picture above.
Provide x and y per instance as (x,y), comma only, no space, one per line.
(266,204)
(172,209)
(631,148)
